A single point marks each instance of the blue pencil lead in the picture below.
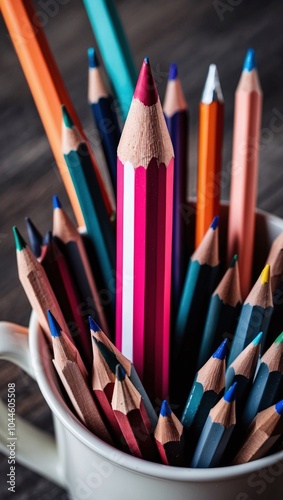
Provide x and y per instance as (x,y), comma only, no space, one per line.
(165,410)
(257,339)
(93,325)
(92,59)
(173,71)
(146,60)
(220,353)
(215,222)
(279,407)
(249,62)
(54,326)
(56,202)
(230,395)
(120,373)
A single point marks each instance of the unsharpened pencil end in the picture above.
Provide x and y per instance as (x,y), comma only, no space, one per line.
(279,339)
(92,58)
(230,395)
(145,90)
(233,261)
(249,62)
(19,240)
(66,117)
(279,407)
(215,223)
(173,71)
(257,339)
(54,326)
(120,373)
(264,277)
(220,353)
(93,325)
(165,410)
(56,202)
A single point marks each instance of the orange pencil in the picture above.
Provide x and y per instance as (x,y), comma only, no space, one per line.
(46,85)
(247,120)
(211,117)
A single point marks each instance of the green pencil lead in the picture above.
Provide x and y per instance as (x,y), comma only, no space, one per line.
(66,117)
(279,339)
(233,261)
(19,240)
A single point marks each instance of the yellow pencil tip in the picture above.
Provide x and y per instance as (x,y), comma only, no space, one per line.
(264,277)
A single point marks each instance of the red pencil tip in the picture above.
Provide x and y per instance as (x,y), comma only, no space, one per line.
(146,91)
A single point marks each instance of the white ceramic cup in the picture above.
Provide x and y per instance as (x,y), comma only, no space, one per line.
(91,469)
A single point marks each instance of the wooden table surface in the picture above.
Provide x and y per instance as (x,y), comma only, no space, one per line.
(189,32)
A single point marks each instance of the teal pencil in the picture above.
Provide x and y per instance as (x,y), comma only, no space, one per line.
(267,387)
(207,389)
(114,49)
(199,284)
(217,431)
(224,309)
(98,225)
(275,260)
(255,315)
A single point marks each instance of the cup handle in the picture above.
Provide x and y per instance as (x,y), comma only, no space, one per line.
(35,449)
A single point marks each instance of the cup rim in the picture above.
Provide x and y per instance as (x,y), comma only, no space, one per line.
(48,385)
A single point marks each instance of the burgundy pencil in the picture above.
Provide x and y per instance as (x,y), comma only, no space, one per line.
(145,168)
(169,437)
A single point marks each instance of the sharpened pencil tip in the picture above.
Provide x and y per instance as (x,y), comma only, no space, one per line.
(165,410)
(56,202)
(92,58)
(279,339)
(120,373)
(230,395)
(233,261)
(249,62)
(212,89)
(146,60)
(54,326)
(257,339)
(66,117)
(145,90)
(173,71)
(34,236)
(264,277)
(19,240)
(93,325)
(279,407)
(220,353)
(215,222)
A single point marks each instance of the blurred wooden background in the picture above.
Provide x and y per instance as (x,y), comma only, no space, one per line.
(189,32)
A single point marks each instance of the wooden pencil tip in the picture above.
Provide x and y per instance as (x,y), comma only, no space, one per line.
(249,62)
(93,325)
(257,339)
(107,354)
(279,407)
(145,90)
(120,373)
(56,202)
(279,339)
(165,410)
(54,326)
(215,222)
(230,395)
(68,122)
(173,71)
(233,261)
(264,277)
(92,58)
(220,353)
(19,240)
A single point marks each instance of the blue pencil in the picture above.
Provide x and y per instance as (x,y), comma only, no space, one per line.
(35,237)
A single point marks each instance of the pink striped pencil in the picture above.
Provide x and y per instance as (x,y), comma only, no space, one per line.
(145,169)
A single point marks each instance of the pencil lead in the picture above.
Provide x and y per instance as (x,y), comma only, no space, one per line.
(120,373)
(220,353)
(93,325)
(66,117)
(233,261)
(249,62)
(56,202)
(257,339)
(54,326)
(108,355)
(34,236)
(145,90)
(229,396)
(264,277)
(279,407)
(165,410)
(92,58)
(212,89)
(279,339)
(215,222)
(19,240)
(173,71)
